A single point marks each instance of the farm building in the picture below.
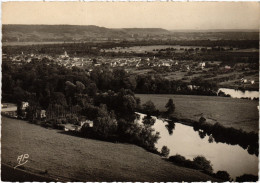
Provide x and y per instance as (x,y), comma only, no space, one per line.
(227,67)
(70,127)
(24,105)
(40,114)
(202,65)
(4,105)
(21,109)
(86,123)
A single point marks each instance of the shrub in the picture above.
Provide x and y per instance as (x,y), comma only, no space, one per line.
(223,175)
(202,163)
(178,159)
(198,162)
(165,151)
(247,178)
(202,119)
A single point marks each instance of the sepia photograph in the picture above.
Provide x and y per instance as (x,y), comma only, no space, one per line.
(130,91)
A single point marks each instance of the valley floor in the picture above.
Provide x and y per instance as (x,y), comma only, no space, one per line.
(230,112)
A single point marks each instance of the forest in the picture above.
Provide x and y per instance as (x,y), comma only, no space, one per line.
(68,94)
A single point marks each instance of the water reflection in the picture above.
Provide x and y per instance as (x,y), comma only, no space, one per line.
(231,136)
(211,139)
(170,127)
(188,143)
(202,134)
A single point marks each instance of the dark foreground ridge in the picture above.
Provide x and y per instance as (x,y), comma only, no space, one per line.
(8,173)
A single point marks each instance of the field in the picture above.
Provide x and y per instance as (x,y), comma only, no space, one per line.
(63,157)
(229,112)
(143,49)
(29,43)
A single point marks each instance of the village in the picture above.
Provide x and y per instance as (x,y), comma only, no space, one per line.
(239,75)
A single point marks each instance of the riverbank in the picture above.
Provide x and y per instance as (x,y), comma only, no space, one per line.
(81,159)
(229,112)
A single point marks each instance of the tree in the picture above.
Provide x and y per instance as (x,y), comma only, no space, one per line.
(247,178)
(149,108)
(105,124)
(148,120)
(19,94)
(58,98)
(80,86)
(165,151)
(92,89)
(70,89)
(203,164)
(170,106)
(223,175)
(202,119)
(128,104)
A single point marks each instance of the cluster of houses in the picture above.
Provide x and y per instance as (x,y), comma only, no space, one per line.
(87,62)
(26,58)
(22,111)
(136,63)
(243,80)
(140,63)
(129,63)
(41,115)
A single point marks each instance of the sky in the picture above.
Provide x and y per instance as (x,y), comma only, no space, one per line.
(167,15)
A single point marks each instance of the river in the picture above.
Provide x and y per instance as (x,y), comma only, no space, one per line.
(239,93)
(187,142)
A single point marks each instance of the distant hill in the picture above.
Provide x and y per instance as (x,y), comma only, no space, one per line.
(35,33)
(150,31)
(70,33)
(215,30)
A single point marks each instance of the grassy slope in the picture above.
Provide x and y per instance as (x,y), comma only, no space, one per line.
(8,173)
(75,158)
(229,112)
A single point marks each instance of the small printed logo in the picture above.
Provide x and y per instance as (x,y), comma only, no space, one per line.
(22,160)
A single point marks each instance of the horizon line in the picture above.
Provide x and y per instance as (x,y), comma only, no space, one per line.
(181,29)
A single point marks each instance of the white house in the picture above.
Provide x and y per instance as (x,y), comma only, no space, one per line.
(24,105)
(227,67)
(202,65)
